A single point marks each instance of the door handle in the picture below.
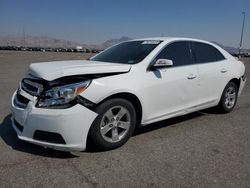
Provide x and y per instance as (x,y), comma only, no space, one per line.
(223,70)
(191,76)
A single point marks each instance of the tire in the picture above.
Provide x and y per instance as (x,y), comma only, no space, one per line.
(114,124)
(227,102)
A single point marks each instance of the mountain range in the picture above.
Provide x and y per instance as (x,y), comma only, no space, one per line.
(44,41)
(49,42)
(231,49)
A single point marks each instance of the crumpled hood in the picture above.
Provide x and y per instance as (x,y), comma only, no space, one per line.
(56,69)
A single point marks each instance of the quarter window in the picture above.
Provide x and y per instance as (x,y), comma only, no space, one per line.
(204,53)
(178,52)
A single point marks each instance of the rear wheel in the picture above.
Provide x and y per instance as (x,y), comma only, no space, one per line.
(114,125)
(228,98)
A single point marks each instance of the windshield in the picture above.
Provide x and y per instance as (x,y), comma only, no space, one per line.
(128,52)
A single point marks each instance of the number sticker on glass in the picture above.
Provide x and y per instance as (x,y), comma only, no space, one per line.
(151,42)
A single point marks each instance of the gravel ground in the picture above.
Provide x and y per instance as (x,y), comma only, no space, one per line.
(202,149)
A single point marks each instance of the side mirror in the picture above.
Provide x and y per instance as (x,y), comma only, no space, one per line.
(161,63)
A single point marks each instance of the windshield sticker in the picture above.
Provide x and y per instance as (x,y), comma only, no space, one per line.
(151,42)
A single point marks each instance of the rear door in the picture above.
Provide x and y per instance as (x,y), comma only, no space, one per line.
(212,69)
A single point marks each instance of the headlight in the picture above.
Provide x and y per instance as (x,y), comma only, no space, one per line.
(61,96)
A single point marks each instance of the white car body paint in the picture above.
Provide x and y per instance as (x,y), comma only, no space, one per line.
(53,70)
(164,93)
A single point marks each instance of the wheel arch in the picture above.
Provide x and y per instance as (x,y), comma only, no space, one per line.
(236,81)
(131,98)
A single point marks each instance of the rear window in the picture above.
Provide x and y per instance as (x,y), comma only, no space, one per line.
(204,53)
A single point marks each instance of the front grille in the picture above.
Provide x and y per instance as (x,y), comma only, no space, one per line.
(48,137)
(31,87)
(20,101)
(18,126)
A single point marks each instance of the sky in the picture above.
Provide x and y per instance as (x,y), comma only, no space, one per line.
(95,21)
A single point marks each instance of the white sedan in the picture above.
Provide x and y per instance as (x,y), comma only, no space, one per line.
(63,104)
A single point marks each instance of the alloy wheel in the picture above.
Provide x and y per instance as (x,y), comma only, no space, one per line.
(115,124)
(230,97)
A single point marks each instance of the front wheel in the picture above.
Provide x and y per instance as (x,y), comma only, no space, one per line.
(114,125)
(228,98)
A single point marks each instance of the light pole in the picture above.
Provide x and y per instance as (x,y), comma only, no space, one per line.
(242,31)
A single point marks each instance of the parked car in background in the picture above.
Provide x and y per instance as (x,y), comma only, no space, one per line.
(63,104)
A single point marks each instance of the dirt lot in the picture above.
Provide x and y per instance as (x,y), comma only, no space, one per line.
(203,149)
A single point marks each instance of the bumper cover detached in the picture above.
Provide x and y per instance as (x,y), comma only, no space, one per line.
(243,80)
(61,129)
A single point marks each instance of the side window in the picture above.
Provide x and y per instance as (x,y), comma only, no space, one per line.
(204,53)
(178,52)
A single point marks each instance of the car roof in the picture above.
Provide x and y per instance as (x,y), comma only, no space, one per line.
(167,39)
(170,39)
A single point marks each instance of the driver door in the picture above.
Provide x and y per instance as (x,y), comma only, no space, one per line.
(174,89)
